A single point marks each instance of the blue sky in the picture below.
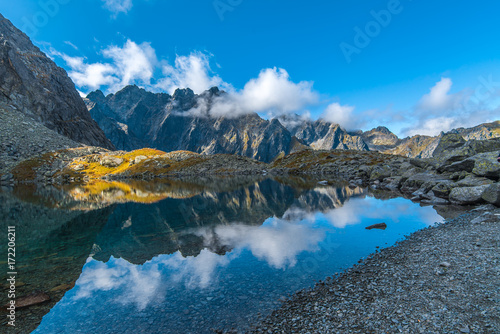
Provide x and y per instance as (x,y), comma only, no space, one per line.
(414,66)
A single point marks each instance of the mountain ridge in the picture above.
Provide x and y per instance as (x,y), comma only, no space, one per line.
(32,84)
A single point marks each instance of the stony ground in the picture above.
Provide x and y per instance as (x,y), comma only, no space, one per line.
(444,279)
(21,138)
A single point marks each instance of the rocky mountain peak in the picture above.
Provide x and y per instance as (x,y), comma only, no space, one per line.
(32,84)
(96,96)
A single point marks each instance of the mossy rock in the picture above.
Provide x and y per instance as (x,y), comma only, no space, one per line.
(467,195)
(486,165)
(492,194)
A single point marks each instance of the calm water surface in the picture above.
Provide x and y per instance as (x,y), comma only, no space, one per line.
(191,258)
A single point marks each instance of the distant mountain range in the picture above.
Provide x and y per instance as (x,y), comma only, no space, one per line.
(134,118)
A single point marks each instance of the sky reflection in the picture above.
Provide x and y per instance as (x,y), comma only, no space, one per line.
(242,268)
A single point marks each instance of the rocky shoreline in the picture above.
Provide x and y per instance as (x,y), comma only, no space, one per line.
(443,279)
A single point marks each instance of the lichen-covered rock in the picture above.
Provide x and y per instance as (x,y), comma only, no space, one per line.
(443,189)
(473,181)
(486,165)
(466,165)
(467,195)
(492,194)
(447,143)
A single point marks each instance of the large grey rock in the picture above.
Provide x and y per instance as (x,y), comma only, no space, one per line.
(486,165)
(467,195)
(492,194)
(473,181)
(466,165)
(32,84)
(111,162)
(448,143)
(443,189)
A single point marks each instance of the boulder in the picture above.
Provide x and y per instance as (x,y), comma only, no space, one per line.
(139,158)
(380,172)
(486,165)
(111,162)
(467,195)
(466,165)
(443,189)
(447,143)
(492,194)
(473,181)
(417,181)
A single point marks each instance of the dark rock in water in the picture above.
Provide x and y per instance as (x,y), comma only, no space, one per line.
(36,297)
(32,84)
(380,226)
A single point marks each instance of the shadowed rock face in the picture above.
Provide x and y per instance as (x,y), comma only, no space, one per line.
(134,118)
(32,84)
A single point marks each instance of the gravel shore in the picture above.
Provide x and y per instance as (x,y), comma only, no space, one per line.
(443,279)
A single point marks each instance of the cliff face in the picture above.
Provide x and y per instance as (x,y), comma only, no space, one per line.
(322,135)
(32,84)
(134,118)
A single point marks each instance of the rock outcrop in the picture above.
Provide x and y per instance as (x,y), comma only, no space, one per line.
(32,84)
(323,135)
(380,138)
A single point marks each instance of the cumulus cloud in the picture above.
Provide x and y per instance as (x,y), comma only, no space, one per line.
(439,99)
(131,63)
(277,242)
(192,72)
(117,6)
(440,110)
(339,114)
(272,93)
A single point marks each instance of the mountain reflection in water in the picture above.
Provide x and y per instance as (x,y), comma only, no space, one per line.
(220,256)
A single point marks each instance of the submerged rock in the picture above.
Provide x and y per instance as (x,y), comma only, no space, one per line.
(36,297)
(380,226)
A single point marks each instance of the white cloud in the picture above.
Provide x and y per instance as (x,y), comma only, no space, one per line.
(272,92)
(440,110)
(439,98)
(117,6)
(192,72)
(131,63)
(278,242)
(339,114)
